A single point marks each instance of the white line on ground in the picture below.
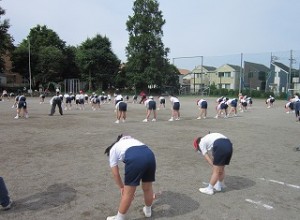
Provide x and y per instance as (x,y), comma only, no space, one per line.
(259,203)
(281,183)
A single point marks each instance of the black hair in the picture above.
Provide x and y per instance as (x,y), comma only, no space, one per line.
(107,150)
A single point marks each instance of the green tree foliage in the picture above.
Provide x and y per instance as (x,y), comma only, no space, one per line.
(147,58)
(70,68)
(98,64)
(49,57)
(5,38)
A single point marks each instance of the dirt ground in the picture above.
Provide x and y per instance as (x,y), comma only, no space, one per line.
(55,167)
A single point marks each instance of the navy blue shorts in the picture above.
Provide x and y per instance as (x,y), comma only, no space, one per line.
(244,104)
(233,104)
(68,100)
(162,101)
(140,165)
(176,106)
(123,106)
(22,104)
(204,104)
(224,106)
(152,105)
(222,152)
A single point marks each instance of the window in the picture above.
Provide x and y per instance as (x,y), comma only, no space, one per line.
(225,74)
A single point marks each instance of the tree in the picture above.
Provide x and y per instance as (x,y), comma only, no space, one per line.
(70,68)
(6,41)
(147,58)
(98,64)
(47,56)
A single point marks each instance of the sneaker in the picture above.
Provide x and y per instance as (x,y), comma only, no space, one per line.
(147,214)
(171,119)
(17,117)
(111,217)
(177,119)
(145,120)
(199,118)
(216,116)
(207,191)
(153,119)
(26,116)
(204,117)
(4,208)
(219,187)
(117,121)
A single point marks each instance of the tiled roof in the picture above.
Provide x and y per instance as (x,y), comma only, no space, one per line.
(282,66)
(184,71)
(235,67)
(256,67)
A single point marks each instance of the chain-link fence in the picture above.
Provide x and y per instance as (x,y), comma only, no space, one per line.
(271,72)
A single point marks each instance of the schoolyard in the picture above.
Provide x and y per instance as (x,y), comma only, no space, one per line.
(55,167)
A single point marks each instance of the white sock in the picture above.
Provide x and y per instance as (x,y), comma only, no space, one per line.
(148,208)
(210,186)
(120,216)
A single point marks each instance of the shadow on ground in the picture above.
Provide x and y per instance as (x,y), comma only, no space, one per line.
(171,204)
(238,183)
(55,195)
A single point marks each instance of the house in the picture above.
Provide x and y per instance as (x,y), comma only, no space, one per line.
(184,83)
(255,76)
(12,78)
(200,78)
(277,81)
(227,76)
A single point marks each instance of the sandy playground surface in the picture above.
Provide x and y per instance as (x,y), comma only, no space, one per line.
(55,167)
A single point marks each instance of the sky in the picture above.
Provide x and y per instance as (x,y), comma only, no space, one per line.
(194,28)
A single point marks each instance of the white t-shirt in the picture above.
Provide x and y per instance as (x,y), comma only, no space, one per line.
(117,152)
(118,98)
(200,101)
(206,143)
(147,102)
(174,99)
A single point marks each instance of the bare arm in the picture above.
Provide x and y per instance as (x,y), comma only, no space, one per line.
(117,177)
(208,159)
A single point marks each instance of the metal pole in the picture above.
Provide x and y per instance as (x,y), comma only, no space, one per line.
(240,86)
(194,82)
(29,66)
(202,75)
(289,74)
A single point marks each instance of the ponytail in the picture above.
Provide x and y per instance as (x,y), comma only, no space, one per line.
(107,150)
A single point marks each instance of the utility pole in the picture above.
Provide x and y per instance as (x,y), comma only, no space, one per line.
(241,71)
(290,73)
(29,66)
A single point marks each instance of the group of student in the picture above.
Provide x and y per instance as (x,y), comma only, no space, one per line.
(151,107)
(225,107)
(222,106)
(140,168)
